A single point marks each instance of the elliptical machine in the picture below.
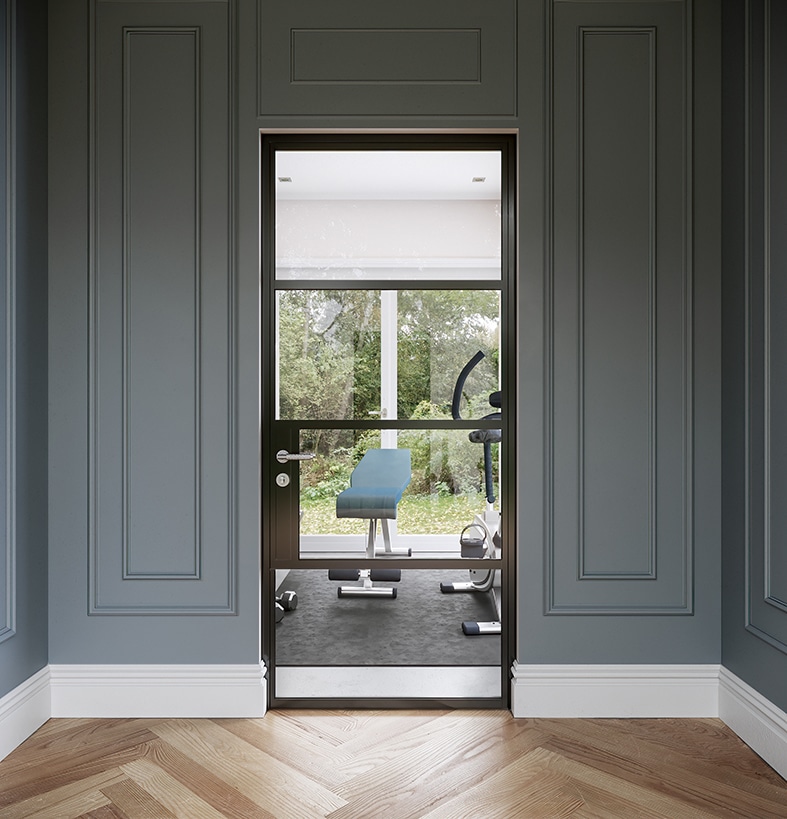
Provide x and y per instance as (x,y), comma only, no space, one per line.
(481,538)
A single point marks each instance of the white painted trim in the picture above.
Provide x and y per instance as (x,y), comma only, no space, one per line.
(615,690)
(23,711)
(756,720)
(430,682)
(158,690)
(536,691)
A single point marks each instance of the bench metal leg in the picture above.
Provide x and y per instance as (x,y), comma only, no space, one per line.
(367,577)
(387,551)
(371,538)
(367,589)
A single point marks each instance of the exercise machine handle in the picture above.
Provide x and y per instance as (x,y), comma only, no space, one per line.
(460,385)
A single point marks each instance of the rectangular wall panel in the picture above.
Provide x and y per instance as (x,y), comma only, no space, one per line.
(620,441)
(617,310)
(442,58)
(161,297)
(161,320)
(386,56)
(767,337)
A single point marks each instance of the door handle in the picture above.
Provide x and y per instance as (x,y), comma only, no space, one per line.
(282,456)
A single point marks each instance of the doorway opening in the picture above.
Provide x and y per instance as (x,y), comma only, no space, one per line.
(388,358)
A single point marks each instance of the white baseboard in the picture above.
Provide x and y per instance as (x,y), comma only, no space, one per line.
(536,691)
(23,711)
(756,720)
(615,691)
(158,690)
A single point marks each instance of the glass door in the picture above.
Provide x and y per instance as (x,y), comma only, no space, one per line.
(386,420)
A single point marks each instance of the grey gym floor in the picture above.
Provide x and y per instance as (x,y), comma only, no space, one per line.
(420,627)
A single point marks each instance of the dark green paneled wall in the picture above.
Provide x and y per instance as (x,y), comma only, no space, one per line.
(616,107)
(755,346)
(23,348)
(153,447)
(618,452)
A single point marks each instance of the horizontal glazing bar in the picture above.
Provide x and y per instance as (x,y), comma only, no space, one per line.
(362,562)
(401,423)
(386,284)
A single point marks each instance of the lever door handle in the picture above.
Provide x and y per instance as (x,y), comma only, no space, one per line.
(282,456)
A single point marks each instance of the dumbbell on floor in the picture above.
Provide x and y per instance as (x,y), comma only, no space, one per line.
(286,601)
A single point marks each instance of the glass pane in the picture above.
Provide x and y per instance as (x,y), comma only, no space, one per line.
(328,354)
(388,215)
(363,355)
(439,331)
(425,487)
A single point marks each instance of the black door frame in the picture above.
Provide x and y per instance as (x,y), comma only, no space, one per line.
(271,525)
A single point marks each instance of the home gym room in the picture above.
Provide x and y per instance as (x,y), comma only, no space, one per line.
(385,288)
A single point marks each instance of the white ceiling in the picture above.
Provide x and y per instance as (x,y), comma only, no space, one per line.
(382,174)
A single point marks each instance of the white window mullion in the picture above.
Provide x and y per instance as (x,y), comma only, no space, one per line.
(388,370)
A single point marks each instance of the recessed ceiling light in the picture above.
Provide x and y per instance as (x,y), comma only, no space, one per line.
(285,179)
(479,179)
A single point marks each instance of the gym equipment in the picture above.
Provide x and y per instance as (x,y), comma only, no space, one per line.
(376,487)
(286,601)
(474,540)
(368,578)
(487,437)
(482,582)
(481,538)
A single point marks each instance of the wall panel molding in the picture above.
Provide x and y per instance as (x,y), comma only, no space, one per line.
(183,75)
(620,460)
(162,495)
(646,561)
(8,329)
(314,56)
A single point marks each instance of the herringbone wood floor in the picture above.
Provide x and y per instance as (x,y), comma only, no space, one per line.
(305,764)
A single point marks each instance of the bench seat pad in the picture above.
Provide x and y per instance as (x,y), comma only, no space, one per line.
(376,485)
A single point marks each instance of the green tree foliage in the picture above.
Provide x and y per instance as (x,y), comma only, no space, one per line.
(329,369)
(440,330)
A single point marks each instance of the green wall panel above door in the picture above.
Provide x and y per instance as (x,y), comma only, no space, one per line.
(354,58)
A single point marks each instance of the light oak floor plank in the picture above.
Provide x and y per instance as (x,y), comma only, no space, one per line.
(67,800)
(286,740)
(135,802)
(305,764)
(696,777)
(209,787)
(179,800)
(282,790)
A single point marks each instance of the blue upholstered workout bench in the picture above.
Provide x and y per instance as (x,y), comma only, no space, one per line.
(376,487)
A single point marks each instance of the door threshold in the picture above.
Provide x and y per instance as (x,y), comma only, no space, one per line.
(356,682)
